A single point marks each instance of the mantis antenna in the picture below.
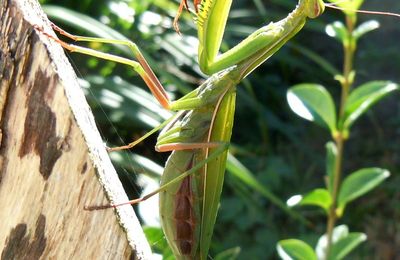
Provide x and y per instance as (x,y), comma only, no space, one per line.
(333,6)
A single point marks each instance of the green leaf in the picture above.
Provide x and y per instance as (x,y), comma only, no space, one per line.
(84,22)
(346,244)
(349,7)
(337,30)
(365,27)
(229,254)
(121,98)
(363,97)
(331,155)
(238,170)
(317,197)
(360,182)
(156,238)
(343,242)
(313,102)
(295,249)
(338,233)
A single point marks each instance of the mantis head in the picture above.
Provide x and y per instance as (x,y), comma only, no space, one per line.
(313,8)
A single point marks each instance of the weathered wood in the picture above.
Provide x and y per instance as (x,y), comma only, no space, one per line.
(52,156)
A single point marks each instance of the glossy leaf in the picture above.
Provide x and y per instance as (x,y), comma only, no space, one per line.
(156,237)
(363,97)
(84,22)
(238,170)
(359,183)
(132,161)
(345,245)
(229,254)
(337,30)
(119,96)
(295,249)
(317,197)
(349,7)
(338,233)
(365,27)
(313,102)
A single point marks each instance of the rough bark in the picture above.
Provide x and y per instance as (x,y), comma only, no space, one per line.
(52,156)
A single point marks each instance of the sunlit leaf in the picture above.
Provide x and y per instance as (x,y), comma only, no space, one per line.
(345,245)
(338,233)
(349,6)
(156,238)
(360,182)
(317,197)
(314,103)
(365,27)
(343,242)
(337,30)
(238,170)
(363,97)
(84,22)
(122,98)
(229,254)
(295,249)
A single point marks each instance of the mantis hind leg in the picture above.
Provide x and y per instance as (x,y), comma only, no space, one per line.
(152,131)
(213,155)
(140,66)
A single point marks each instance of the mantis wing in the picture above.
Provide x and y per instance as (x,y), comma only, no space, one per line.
(188,208)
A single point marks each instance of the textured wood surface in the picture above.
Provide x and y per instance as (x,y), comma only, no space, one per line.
(51,155)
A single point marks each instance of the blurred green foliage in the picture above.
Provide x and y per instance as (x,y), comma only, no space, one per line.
(285,154)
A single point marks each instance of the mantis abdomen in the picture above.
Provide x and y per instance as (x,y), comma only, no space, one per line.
(180,205)
(188,207)
(185,216)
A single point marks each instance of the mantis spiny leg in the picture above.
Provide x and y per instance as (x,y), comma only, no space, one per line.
(212,18)
(185,5)
(134,143)
(140,66)
(213,155)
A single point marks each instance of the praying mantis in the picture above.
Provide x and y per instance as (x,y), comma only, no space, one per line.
(199,134)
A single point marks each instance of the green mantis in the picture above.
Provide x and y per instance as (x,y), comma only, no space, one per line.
(199,134)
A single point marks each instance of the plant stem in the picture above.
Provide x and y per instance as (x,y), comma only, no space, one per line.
(349,48)
(339,140)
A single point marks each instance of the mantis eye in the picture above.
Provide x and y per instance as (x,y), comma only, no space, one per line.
(315,8)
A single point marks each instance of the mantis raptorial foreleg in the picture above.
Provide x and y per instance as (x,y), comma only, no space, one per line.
(212,18)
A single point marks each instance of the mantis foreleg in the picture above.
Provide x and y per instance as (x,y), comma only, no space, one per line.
(212,18)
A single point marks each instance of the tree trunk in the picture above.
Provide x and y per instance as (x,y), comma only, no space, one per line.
(52,156)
